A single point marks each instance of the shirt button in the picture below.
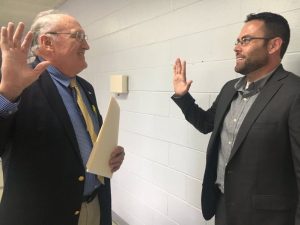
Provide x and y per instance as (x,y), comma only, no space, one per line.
(81,178)
(229,142)
(245,99)
(76,213)
(234,120)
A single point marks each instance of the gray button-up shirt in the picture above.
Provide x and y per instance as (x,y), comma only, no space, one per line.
(247,93)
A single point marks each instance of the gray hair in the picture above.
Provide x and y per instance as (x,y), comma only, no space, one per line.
(42,23)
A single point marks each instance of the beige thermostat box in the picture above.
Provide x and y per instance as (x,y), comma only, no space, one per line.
(119,84)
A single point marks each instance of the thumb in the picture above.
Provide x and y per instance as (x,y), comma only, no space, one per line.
(189,83)
(40,67)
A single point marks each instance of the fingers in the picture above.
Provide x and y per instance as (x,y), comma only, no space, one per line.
(10,32)
(40,67)
(4,40)
(177,67)
(18,35)
(116,158)
(117,151)
(27,41)
(115,167)
(180,84)
(11,38)
(183,65)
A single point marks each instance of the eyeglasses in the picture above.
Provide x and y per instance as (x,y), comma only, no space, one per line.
(246,40)
(79,36)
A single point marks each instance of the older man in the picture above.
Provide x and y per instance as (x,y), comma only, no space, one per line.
(46,135)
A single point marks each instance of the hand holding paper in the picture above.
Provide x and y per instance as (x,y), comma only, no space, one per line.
(106,157)
(117,157)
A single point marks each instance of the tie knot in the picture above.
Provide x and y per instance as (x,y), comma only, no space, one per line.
(73,83)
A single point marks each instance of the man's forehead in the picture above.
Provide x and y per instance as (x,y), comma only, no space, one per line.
(68,23)
(252,27)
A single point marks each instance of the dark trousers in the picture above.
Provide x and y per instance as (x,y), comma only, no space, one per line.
(220,217)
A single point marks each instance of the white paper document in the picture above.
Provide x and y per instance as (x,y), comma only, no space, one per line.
(107,140)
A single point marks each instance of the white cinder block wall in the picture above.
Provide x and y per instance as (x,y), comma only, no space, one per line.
(160,180)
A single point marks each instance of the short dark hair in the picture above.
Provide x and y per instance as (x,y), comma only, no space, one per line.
(276,26)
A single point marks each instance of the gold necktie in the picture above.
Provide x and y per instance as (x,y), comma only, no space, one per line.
(86,116)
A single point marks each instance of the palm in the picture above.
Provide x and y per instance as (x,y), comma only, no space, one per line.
(14,65)
(181,85)
(16,75)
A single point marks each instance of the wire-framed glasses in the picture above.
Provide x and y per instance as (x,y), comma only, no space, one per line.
(80,36)
(246,40)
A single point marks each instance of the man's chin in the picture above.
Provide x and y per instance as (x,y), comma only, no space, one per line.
(240,71)
(84,65)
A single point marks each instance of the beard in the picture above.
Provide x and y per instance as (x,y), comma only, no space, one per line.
(251,63)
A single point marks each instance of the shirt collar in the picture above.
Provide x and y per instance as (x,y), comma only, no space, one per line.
(253,87)
(57,75)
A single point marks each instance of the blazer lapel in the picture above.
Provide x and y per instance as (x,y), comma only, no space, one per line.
(258,106)
(57,104)
(88,92)
(224,103)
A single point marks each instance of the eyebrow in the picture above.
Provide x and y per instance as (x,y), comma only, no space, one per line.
(74,31)
(245,36)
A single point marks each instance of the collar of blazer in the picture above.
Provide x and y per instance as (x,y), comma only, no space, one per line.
(87,88)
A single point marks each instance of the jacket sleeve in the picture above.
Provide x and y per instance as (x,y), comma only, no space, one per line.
(7,111)
(202,120)
(6,125)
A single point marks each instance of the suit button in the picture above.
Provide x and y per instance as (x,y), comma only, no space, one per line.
(76,213)
(229,172)
(81,178)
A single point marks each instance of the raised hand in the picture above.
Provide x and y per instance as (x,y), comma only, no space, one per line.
(181,85)
(16,74)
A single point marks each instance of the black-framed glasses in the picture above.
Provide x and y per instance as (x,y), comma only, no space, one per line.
(246,40)
(77,35)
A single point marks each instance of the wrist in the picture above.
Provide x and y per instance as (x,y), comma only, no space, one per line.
(9,93)
(180,94)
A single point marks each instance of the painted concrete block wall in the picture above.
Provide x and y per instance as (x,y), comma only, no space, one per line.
(160,180)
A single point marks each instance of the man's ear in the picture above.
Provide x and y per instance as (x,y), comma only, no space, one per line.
(46,42)
(274,45)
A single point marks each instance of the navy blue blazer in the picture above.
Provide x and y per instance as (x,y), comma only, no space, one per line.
(42,162)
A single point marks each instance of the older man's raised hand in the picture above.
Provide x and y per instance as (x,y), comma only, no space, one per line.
(16,74)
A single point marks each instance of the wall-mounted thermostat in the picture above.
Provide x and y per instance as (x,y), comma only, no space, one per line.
(119,84)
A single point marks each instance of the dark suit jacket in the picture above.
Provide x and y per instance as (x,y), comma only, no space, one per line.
(262,177)
(42,162)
